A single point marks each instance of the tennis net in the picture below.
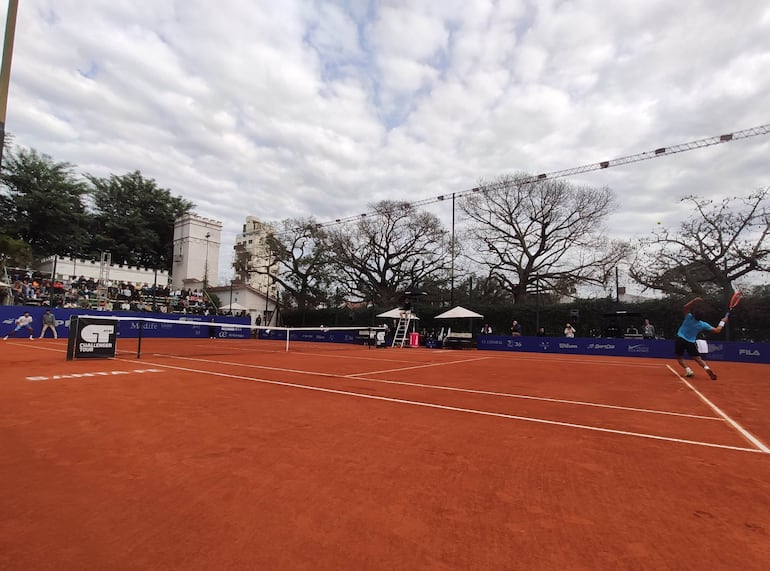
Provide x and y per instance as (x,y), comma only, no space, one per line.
(134,337)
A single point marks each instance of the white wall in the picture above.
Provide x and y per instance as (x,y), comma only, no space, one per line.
(67,267)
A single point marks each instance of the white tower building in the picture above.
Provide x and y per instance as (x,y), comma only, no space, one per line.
(255,265)
(196,252)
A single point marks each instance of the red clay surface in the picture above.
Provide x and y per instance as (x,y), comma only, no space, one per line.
(250,457)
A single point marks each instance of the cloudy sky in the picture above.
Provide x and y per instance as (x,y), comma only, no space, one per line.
(285,108)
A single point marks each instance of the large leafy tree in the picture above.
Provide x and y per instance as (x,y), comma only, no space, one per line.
(393,248)
(133,219)
(42,204)
(720,243)
(544,234)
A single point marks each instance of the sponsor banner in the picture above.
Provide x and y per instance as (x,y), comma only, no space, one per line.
(351,336)
(127,329)
(93,338)
(658,348)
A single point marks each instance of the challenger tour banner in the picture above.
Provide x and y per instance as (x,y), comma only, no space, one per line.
(91,338)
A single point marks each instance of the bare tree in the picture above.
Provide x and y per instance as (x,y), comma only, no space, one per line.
(544,234)
(300,248)
(396,247)
(721,243)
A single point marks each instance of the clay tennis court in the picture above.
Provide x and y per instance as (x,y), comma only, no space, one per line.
(236,454)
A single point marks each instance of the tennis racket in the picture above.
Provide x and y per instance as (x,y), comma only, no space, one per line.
(735,299)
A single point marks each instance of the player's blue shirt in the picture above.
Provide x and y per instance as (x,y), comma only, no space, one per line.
(691,327)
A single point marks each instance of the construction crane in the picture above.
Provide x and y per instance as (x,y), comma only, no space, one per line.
(654,154)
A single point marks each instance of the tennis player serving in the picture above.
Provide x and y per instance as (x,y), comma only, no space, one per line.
(687,334)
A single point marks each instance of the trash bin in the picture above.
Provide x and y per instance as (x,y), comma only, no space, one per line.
(414,339)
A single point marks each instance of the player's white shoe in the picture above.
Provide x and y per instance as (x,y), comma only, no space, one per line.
(689,374)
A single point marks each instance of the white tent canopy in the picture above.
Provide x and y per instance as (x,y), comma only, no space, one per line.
(394,313)
(458,313)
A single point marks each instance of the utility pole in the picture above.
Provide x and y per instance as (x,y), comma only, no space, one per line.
(5,71)
(206,265)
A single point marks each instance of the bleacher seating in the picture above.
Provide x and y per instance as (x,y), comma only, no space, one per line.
(31,288)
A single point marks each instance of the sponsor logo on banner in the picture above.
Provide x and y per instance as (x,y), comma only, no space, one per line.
(567,346)
(749,352)
(95,338)
(638,348)
(545,345)
(145,325)
(601,346)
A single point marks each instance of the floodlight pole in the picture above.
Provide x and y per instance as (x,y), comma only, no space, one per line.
(155,292)
(267,288)
(452,250)
(206,265)
(5,71)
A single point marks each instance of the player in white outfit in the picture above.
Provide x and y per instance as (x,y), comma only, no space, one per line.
(22,322)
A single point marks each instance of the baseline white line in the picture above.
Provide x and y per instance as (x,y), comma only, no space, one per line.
(742,431)
(360,377)
(459,409)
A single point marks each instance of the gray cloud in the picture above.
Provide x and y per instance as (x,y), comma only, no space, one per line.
(283,109)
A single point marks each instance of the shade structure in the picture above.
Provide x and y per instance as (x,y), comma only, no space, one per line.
(394,313)
(458,312)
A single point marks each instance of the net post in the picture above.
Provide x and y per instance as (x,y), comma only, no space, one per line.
(71,337)
(287,339)
(139,340)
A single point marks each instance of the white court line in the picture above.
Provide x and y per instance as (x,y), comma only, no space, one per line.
(458,409)
(543,399)
(32,343)
(360,377)
(742,431)
(563,358)
(422,366)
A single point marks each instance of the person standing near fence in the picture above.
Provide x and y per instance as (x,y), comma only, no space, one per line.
(648,330)
(49,322)
(22,322)
(569,331)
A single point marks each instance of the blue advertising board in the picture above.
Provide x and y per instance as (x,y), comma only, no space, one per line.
(130,329)
(658,348)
